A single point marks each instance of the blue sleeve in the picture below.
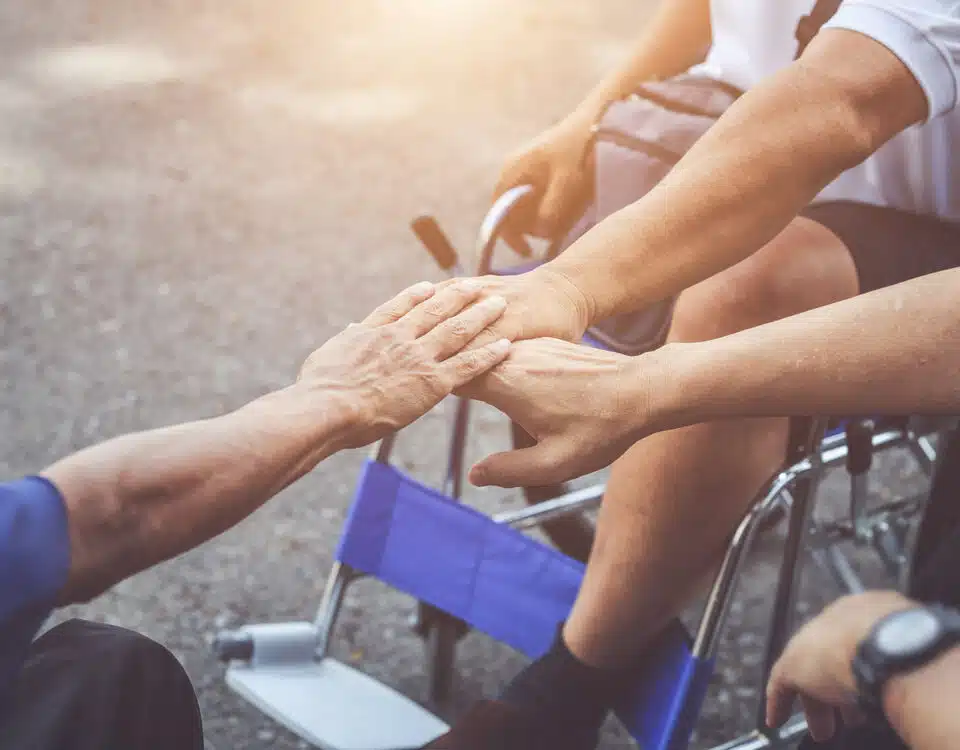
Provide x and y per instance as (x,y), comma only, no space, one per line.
(34,562)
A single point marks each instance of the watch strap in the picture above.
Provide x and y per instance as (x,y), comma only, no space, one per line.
(872,669)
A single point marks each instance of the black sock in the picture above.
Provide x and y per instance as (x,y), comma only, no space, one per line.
(563,697)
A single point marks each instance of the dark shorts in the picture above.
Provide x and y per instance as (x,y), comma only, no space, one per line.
(890,246)
(87,686)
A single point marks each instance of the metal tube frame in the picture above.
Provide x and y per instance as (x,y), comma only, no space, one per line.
(341,576)
(800,481)
(721,593)
(577,501)
(793,730)
(804,492)
(833,562)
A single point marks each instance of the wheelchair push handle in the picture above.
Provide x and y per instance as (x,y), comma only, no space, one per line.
(432,237)
(493,228)
(499,223)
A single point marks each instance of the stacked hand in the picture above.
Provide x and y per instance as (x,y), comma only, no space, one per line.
(405,357)
(584,406)
(540,303)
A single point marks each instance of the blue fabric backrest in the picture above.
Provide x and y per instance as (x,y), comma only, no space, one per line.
(449,555)
(505,584)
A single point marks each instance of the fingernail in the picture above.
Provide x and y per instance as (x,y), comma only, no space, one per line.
(422,287)
(476,477)
(469,285)
(495,302)
(502,345)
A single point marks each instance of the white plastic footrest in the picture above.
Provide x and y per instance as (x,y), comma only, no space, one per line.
(335,706)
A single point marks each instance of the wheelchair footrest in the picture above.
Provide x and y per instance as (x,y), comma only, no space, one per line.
(335,706)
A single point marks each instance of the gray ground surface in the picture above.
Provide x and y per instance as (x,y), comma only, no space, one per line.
(194,194)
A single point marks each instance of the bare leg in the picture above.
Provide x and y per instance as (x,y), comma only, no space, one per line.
(674,499)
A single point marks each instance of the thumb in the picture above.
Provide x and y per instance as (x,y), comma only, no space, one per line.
(536,466)
(780,699)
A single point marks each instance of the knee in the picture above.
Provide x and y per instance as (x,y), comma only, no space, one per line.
(117,654)
(804,267)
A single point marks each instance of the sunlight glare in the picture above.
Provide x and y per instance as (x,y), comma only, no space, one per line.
(105,66)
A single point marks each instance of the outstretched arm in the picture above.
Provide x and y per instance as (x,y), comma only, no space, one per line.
(139,499)
(765,159)
(894,350)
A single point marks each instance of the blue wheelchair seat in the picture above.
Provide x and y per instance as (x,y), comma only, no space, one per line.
(507,585)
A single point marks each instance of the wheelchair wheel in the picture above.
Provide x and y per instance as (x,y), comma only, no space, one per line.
(573,534)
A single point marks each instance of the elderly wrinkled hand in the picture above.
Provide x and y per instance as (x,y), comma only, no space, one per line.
(583,406)
(405,357)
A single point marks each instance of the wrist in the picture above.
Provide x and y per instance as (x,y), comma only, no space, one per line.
(324,419)
(679,385)
(882,634)
(590,111)
(859,614)
(619,87)
(904,694)
(655,390)
(564,283)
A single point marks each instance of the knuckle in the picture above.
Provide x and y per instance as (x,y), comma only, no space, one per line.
(435,310)
(436,381)
(469,363)
(395,308)
(385,335)
(444,383)
(458,328)
(415,354)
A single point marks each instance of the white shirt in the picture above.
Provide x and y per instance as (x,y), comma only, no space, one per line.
(919,170)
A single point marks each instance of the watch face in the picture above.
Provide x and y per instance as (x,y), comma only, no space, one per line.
(908,633)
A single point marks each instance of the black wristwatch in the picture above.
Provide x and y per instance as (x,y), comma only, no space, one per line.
(901,642)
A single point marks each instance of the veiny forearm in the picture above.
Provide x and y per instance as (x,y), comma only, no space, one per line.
(743,182)
(896,350)
(921,706)
(676,38)
(140,499)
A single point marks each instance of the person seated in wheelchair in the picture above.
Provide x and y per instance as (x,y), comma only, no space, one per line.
(829,177)
(107,512)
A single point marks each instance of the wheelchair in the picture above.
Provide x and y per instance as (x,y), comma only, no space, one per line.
(467,570)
